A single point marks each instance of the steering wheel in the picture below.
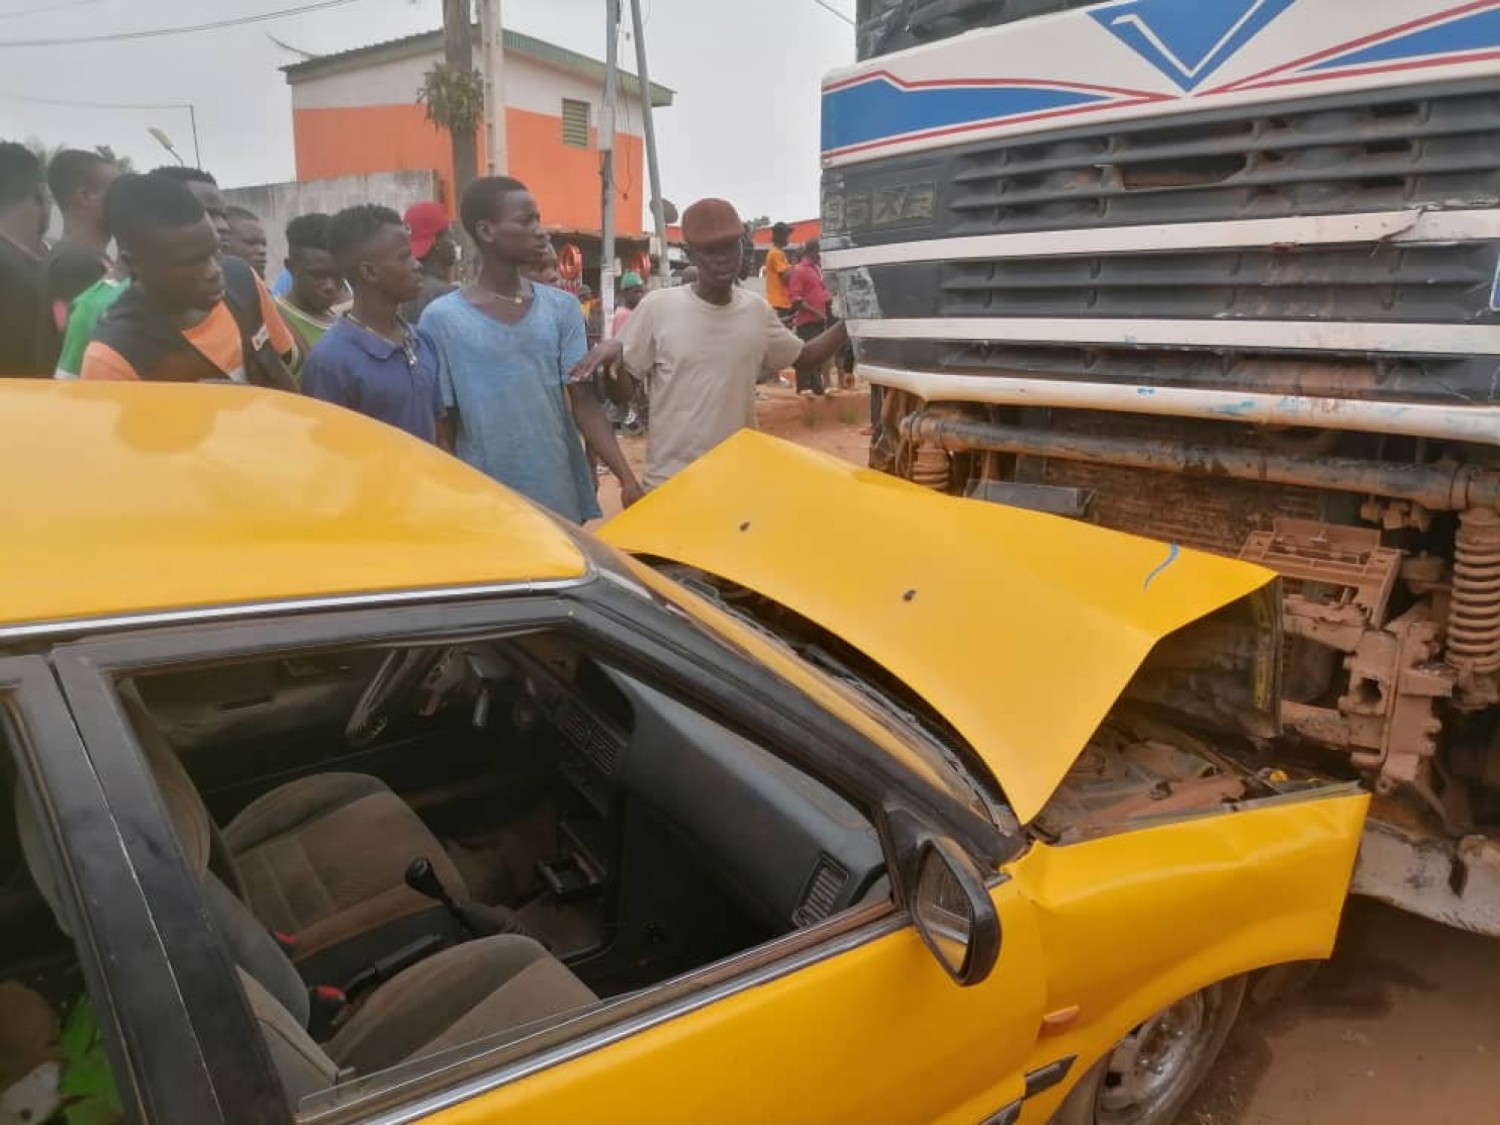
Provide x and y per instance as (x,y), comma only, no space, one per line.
(398,675)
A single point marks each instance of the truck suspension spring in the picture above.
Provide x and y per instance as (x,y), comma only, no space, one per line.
(930,467)
(1474,618)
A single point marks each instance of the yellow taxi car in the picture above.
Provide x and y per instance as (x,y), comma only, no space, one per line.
(344,785)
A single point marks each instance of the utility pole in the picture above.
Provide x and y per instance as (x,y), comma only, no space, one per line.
(492,56)
(458,53)
(607,160)
(648,126)
(193,121)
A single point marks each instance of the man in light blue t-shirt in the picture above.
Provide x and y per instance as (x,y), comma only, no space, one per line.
(508,348)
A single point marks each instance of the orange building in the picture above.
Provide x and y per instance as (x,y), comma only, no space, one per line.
(356,113)
(802,230)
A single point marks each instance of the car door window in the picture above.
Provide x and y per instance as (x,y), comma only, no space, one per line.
(51,1049)
(451,857)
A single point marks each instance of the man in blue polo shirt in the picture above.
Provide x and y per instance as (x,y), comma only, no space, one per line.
(371,360)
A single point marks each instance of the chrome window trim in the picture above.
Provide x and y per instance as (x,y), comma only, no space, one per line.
(236,610)
(630,1015)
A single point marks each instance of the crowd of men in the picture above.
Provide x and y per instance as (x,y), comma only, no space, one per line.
(500,370)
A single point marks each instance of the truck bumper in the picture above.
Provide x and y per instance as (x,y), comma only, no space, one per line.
(1455,882)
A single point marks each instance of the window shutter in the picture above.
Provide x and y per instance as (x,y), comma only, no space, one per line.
(575,123)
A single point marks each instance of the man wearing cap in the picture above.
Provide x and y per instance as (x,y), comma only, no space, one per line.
(620,389)
(632,291)
(432,244)
(701,347)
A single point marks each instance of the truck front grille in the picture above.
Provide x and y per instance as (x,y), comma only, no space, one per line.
(1376,151)
(1443,283)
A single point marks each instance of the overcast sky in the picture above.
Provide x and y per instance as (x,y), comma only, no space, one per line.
(746,72)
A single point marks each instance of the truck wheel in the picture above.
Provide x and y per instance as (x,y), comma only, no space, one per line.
(1149,1075)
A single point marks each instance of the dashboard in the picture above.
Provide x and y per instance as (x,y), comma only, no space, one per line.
(787,848)
(784,844)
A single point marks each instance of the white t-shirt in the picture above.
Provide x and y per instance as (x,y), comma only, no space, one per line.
(701,362)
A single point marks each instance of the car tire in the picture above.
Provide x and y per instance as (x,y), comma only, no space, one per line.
(1148,1076)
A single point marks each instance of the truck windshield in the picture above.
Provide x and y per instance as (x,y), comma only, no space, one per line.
(893,25)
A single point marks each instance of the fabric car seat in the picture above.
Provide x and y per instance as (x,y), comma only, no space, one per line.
(482,988)
(321,860)
(487,987)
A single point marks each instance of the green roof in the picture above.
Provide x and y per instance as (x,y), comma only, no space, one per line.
(515,44)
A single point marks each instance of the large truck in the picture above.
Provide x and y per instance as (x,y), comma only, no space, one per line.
(1223,273)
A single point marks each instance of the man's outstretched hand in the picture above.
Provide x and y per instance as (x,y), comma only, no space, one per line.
(604,353)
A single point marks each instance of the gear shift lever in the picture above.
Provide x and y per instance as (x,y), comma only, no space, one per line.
(422,877)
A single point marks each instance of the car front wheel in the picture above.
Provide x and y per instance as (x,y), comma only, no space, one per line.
(1149,1075)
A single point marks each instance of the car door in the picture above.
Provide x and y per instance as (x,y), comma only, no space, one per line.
(848,1025)
(853,1019)
(849,1018)
(94,854)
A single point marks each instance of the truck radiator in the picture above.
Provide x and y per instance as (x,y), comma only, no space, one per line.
(1209,514)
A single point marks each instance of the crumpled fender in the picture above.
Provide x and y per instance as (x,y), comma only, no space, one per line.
(1135,921)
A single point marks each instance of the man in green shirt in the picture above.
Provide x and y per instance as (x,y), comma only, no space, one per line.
(317,284)
(83,316)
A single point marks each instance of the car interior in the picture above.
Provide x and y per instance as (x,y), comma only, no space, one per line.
(411,851)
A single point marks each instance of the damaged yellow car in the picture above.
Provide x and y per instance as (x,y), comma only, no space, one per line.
(344,785)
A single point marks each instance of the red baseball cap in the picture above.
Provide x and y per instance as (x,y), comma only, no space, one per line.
(711,220)
(425,221)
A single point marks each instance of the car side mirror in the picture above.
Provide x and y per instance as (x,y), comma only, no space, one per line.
(954,913)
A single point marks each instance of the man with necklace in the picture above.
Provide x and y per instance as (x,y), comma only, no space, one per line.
(370,359)
(508,348)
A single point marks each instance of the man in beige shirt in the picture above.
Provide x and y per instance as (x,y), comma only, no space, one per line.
(701,347)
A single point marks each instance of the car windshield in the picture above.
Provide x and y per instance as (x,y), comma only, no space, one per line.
(914,735)
(909,724)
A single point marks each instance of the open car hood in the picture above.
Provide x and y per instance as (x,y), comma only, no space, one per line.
(1021,629)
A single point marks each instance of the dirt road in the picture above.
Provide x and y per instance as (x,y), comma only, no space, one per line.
(1402,1027)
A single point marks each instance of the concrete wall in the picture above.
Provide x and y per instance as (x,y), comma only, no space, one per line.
(278,204)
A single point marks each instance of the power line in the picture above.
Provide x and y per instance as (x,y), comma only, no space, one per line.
(41,8)
(187,29)
(827,7)
(91,105)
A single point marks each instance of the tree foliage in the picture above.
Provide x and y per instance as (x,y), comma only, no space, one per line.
(123,163)
(453,98)
(45,153)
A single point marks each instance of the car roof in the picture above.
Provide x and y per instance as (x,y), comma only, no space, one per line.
(131,498)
